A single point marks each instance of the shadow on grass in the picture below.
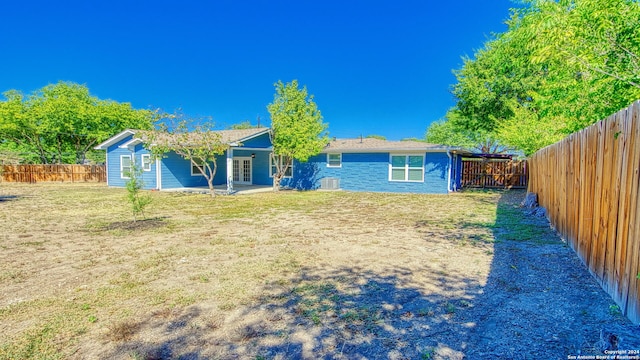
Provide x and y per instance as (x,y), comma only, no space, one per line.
(538,302)
(9,197)
(340,314)
(138,225)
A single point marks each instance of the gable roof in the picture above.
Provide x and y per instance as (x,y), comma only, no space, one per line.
(115,139)
(378,145)
(235,136)
(231,137)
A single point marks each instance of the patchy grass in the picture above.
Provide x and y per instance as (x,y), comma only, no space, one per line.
(79,281)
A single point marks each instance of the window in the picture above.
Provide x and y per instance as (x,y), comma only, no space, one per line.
(146,162)
(194,168)
(406,168)
(334,160)
(287,173)
(125,166)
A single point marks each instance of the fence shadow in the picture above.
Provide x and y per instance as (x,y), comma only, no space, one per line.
(538,301)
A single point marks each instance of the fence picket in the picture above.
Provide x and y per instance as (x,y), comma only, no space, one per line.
(47,173)
(589,184)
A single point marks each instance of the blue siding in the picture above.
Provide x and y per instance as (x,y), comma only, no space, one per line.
(370,172)
(359,171)
(176,172)
(259,165)
(261,141)
(114,152)
(113,163)
(148,177)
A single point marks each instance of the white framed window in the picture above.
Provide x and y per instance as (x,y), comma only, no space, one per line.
(287,173)
(146,162)
(334,160)
(194,168)
(406,168)
(125,166)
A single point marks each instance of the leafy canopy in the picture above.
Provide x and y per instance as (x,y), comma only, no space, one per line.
(560,66)
(61,123)
(297,130)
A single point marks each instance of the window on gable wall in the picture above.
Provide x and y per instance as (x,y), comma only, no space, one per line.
(146,162)
(194,168)
(125,166)
(287,173)
(406,168)
(334,160)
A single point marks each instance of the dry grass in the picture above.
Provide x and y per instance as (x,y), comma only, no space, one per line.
(253,276)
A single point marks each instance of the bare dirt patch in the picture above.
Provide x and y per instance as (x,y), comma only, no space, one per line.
(292,276)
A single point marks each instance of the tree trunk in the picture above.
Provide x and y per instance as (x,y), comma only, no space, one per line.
(276,182)
(212,191)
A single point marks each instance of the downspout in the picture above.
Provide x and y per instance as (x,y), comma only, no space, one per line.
(230,169)
(158,174)
(449,172)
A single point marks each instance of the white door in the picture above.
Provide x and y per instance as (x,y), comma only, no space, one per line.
(242,170)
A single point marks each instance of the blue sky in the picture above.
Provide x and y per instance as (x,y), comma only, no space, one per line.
(375,67)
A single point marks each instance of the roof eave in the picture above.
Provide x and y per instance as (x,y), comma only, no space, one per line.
(114,139)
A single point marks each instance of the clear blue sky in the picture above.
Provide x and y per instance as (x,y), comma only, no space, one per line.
(375,67)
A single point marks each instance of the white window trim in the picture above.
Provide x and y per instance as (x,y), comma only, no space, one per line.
(406,168)
(122,166)
(271,167)
(334,166)
(142,157)
(197,173)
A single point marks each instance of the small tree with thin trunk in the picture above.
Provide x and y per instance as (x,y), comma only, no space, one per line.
(297,130)
(201,145)
(137,200)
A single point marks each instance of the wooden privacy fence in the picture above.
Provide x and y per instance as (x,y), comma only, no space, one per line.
(497,174)
(588,183)
(43,173)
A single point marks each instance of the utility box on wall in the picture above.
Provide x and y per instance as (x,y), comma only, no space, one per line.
(330,183)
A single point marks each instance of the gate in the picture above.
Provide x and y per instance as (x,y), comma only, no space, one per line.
(494,174)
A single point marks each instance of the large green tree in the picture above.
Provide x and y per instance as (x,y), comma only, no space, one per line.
(561,66)
(61,123)
(297,129)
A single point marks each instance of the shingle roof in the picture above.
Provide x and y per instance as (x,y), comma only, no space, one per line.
(231,136)
(372,144)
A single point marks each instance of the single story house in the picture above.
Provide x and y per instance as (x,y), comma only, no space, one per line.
(362,164)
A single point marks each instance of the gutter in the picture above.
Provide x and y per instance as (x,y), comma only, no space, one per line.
(449,172)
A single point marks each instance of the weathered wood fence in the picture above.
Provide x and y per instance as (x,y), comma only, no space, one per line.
(43,173)
(496,174)
(588,183)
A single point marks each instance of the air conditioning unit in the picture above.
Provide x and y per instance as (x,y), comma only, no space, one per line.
(328,183)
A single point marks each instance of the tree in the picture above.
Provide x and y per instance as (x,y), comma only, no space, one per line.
(297,130)
(242,125)
(134,185)
(199,144)
(561,66)
(444,132)
(374,136)
(61,123)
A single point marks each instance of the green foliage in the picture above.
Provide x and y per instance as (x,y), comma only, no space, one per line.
(190,138)
(297,130)
(61,123)
(560,66)
(373,136)
(242,125)
(446,132)
(134,186)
